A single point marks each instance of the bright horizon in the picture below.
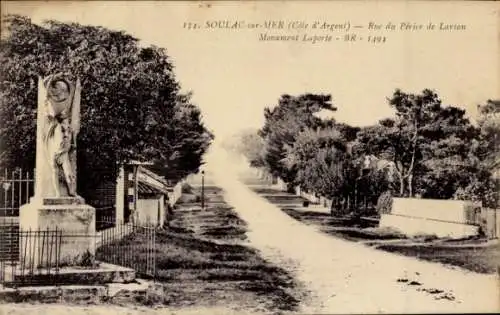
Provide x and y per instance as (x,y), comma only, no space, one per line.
(234,76)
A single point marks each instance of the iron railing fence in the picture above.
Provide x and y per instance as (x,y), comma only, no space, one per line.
(16,188)
(34,261)
(39,255)
(129,245)
(105,218)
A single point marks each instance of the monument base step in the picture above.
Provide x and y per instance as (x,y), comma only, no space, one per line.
(82,294)
(103,274)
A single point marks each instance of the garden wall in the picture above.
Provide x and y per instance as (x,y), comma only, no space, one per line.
(443,218)
(280,184)
(310,196)
(412,226)
(456,211)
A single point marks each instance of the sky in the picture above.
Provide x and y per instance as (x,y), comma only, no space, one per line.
(234,76)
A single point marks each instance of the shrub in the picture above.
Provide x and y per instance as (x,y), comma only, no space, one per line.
(87,259)
(384,203)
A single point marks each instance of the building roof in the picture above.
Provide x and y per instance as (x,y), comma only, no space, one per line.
(153,175)
(149,182)
(148,189)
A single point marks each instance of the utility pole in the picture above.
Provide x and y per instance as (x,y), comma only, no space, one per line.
(203,190)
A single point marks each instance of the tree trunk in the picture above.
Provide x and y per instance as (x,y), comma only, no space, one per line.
(410,185)
(412,164)
(400,171)
(355,195)
(401,187)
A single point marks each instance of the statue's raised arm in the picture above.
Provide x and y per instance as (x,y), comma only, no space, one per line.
(75,110)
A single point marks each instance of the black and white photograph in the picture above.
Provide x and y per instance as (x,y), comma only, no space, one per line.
(249,157)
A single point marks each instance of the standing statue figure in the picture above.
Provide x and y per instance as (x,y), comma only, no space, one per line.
(61,110)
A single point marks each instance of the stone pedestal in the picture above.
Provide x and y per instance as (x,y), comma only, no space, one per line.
(74,242)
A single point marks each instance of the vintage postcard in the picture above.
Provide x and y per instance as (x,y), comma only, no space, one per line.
(249,157)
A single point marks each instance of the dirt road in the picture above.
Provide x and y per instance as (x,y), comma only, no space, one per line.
(345,277)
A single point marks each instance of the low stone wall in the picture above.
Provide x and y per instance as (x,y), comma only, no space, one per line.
(297,190)
(444,210)
(140,291)
(323,201)
(310,196)
(412,226)
(280,184)
(443,218)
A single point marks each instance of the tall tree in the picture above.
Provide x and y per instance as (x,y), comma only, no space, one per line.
(186,139)
(484,156)
(424,138)
(447,162)
(284,122)
(321,161)
(383,141)
(489,124)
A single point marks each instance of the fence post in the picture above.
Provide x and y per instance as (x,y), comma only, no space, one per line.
(154,255)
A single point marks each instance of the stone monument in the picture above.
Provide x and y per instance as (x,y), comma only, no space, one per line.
(56,204)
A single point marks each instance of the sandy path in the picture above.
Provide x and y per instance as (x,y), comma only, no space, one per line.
(346,277)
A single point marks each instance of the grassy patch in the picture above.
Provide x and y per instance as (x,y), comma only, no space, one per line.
(200,261)
(264,190)
(233,271)
(362,234)
(484,259)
